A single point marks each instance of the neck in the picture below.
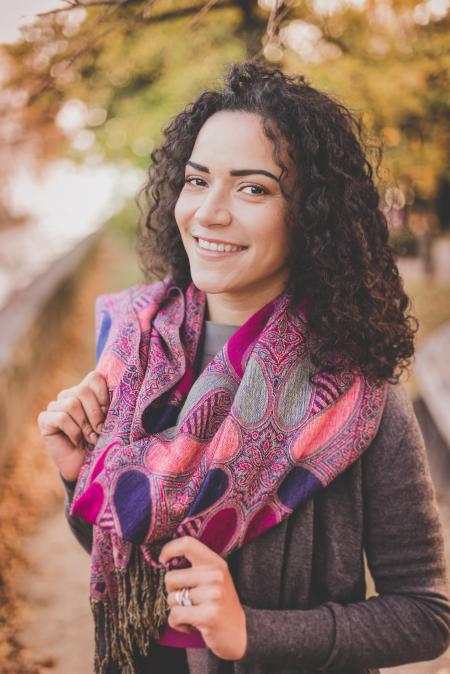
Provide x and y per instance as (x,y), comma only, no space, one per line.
(236,309)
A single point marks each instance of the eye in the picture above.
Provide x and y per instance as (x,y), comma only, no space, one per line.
(190,181)
(257,190)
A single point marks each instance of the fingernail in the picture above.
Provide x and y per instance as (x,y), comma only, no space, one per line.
(93,436)
(104,408)
(99,428)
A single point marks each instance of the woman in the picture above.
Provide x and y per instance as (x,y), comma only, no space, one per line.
(248,439)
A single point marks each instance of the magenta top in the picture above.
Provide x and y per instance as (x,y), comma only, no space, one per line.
(176,639)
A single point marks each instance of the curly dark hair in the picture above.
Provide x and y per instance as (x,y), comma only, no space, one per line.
(341,260)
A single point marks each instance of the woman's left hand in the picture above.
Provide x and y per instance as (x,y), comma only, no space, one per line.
(216,610)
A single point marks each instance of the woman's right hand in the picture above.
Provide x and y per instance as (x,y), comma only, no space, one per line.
(74,420)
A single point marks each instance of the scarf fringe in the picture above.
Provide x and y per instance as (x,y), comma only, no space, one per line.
(142,611)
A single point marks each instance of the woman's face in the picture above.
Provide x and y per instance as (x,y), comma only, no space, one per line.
(232,196)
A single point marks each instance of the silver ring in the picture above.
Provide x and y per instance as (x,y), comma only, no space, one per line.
(182,597)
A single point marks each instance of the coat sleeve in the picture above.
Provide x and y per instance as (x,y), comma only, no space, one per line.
(81,529)
(409,619)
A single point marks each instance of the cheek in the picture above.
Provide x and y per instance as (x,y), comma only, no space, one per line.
(274,242)
(184,209)
(180,219)
(178,211)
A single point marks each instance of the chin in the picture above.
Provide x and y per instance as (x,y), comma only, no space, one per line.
(209,285)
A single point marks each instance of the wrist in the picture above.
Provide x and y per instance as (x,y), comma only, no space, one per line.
(241,641)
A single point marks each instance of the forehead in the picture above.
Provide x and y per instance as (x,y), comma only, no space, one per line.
(234,137)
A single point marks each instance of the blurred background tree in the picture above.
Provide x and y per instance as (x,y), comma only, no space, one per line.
(100,78)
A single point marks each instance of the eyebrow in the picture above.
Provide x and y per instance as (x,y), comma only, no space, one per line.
(235,172)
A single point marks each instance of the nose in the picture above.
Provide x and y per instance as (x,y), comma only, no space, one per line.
(213,210)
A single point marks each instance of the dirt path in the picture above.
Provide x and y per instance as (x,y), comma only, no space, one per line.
(58,628)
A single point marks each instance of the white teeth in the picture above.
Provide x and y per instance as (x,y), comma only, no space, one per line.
(221,247)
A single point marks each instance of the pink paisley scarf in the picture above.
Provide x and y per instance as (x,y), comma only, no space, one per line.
(222,457)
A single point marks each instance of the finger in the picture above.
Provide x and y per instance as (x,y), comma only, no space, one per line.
(193,577)
(52,423)
(94,411)
(191,548)
(200,594)
(182,617)
(205,615)
(97,382)
(91,406)
(66,393)
(186,629)
(75,409)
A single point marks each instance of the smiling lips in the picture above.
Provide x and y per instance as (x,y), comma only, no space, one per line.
(218,246)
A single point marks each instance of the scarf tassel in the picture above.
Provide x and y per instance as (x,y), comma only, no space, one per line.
(142,611)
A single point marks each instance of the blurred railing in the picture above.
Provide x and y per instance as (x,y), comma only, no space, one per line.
(432,369)
(29,325)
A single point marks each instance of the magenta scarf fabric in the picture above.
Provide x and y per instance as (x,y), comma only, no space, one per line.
(222,457)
